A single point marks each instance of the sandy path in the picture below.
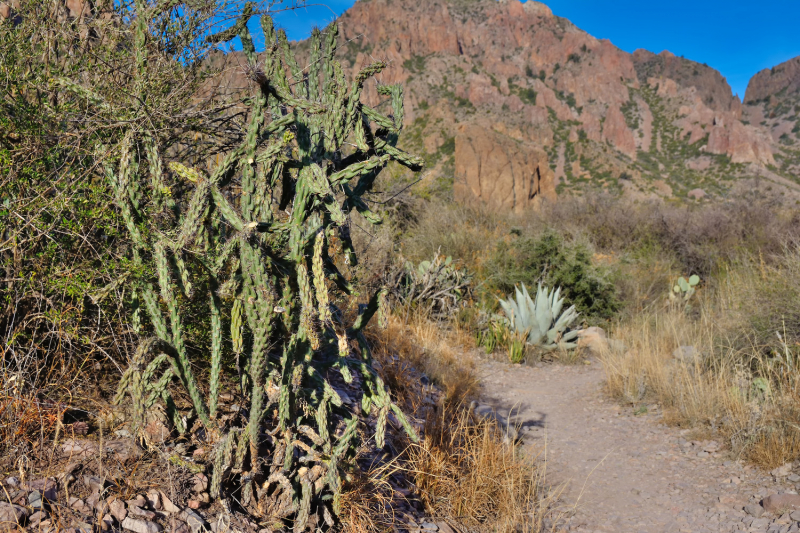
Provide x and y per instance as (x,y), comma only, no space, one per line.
(627,473)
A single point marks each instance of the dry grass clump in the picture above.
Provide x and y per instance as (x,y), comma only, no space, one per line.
(439,353)
(463,469)
(744,382)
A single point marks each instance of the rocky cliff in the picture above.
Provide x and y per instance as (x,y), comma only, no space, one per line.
(504,81)
(772,102)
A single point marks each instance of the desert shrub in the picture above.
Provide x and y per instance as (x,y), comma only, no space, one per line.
(553,261)
(700,238)
(461,232)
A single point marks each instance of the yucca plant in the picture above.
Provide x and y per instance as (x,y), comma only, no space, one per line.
(541,319)
(258,239)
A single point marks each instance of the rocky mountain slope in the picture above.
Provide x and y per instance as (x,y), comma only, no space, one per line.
(772,101)
(511,105)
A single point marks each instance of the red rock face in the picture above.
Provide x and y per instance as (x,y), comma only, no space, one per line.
(500,172)
(770,82)
(617,133)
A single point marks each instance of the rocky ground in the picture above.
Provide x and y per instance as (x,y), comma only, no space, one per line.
(619,471)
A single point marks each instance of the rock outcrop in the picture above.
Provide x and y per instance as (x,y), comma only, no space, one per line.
(769,83)
(772,102)
(503,173)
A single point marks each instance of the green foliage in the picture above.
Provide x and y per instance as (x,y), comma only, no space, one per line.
(550,260)
(62,251)
(437,287)
(258,238)
(516,349)
(684,289)
(540,322)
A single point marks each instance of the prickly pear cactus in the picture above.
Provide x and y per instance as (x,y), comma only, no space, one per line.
(255,242)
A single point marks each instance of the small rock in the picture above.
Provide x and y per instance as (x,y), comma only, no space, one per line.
(138,511)
(12,481)
(793,478)
(11,515)
(194,504)
(427,526)
(200,483)
(199,453)
(35,500)
(795,515)
(154,500)
(93,500)
(195,522)
(117,508)
(37,517)
(96,484)
(703,454)
(754,509)
(167,504)
(177,526)
(781,502)
(141,526)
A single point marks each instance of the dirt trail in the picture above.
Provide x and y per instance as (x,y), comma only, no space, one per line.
(627,473)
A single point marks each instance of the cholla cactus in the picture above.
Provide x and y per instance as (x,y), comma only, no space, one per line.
(263,252)
(542,320)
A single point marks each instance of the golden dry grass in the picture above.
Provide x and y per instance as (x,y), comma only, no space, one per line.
(464,470)
(461,469)
(746,390)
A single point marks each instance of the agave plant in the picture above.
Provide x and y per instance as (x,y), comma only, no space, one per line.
(542,319)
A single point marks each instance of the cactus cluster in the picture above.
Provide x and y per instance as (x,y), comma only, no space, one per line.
(541,321)
(256,242)
(684,289)
(437,286)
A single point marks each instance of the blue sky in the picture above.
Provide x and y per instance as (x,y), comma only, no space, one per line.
(736,37)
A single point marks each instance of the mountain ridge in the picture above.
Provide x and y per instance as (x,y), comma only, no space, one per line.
(592,115)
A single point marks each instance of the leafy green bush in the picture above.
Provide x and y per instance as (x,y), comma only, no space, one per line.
(550,260)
